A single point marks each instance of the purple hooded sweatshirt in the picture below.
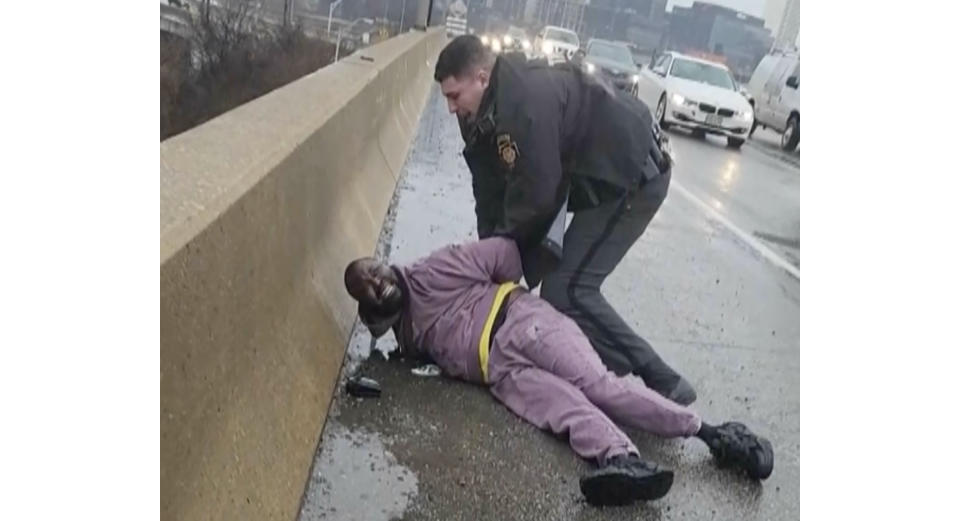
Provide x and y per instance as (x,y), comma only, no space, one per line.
(448,295)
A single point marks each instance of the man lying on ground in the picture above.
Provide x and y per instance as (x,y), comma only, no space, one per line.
(461,307)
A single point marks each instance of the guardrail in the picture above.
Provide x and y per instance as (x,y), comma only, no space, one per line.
(260,210)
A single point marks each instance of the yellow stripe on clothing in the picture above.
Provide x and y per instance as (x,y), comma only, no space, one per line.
(502,292)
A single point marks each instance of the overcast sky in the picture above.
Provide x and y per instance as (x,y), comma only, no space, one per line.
(754,7)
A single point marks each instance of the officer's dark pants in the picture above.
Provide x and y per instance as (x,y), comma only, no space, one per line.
(595,242)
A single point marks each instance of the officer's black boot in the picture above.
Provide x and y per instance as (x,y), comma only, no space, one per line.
(733,445)
(625,479)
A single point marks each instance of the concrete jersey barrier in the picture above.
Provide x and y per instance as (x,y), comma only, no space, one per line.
(260,211)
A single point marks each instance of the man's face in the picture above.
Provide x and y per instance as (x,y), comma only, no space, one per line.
(373,283)
(377,290)
(464,94)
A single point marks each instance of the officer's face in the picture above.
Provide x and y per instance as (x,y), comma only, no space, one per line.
(464,94)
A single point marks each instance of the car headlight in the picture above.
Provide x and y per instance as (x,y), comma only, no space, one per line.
(746,115)
(508,40)
(485,40)
(677,99)
(635,78)
(526,45)
(495,45)
(547,48)
(591,68)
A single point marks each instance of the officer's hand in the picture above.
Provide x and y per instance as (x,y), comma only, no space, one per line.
(666,148)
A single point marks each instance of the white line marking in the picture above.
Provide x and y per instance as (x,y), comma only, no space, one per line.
(751,241)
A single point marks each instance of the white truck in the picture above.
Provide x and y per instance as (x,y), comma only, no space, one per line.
(556,44)
(774,91)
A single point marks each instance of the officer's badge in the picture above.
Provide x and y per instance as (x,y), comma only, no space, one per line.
(508,150)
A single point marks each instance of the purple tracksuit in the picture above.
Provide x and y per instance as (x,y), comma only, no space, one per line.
(541,366)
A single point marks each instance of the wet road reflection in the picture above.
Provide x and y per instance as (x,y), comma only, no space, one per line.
(752,187)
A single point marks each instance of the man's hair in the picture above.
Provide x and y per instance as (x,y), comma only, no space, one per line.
(351,275)
(460,56)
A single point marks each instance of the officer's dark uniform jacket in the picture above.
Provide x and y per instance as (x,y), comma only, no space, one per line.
(543,134)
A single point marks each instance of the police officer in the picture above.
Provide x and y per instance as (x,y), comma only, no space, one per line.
(539,138)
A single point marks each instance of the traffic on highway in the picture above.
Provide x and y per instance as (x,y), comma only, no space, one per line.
(685,91)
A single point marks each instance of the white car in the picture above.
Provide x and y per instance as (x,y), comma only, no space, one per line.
(697,94)
(556,44)
(775,89)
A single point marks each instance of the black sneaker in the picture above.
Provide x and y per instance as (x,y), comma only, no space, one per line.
(625,479)
(736,446)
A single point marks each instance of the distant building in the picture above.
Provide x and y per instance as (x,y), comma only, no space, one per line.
(735,38)
(641,22)
(529,11)
(568,14)
(511,10)
(498,15)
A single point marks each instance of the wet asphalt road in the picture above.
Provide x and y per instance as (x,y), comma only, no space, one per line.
(757,188)
(719,312)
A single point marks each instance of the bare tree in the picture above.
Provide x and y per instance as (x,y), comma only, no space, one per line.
(233,56)
(224,28)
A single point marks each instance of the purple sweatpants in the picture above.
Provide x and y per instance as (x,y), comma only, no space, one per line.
(543,368)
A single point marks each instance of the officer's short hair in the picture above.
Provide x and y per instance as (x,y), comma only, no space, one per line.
(460,56)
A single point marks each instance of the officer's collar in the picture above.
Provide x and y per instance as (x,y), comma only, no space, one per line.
(486,123)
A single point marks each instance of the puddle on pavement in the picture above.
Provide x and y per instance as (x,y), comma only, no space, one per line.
(356,478)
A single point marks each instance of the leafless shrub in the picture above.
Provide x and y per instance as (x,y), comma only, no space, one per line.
(233,57)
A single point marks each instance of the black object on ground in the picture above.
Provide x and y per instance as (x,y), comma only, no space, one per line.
(363,387)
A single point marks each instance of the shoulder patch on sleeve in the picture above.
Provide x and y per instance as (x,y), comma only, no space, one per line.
(507,149)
